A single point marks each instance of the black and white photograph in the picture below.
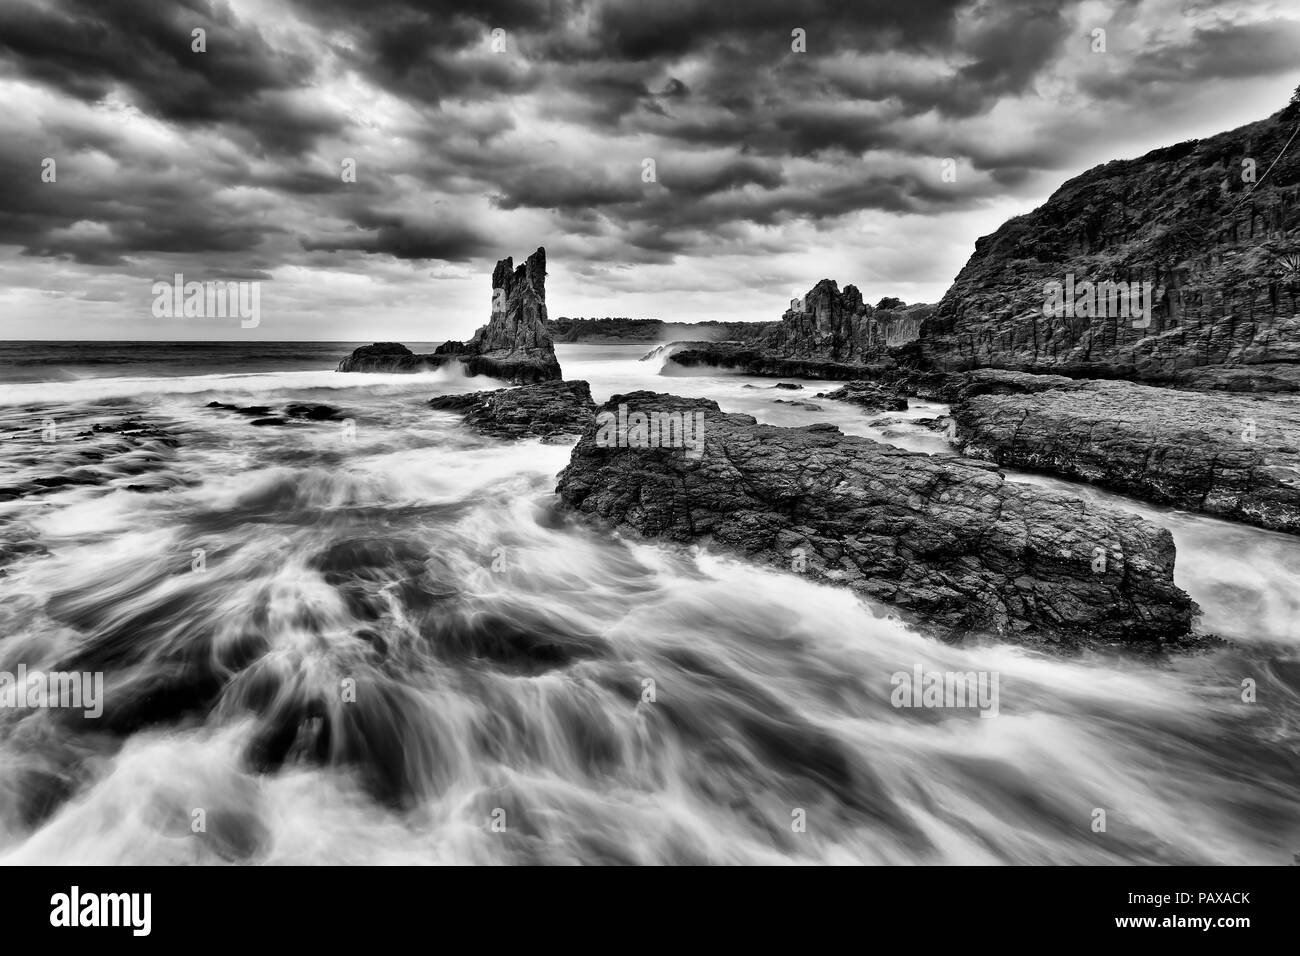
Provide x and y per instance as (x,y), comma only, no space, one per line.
(664,433)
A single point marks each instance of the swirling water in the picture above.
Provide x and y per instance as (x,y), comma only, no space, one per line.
(380,642)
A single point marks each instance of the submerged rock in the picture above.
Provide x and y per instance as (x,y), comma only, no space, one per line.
(262,415)
(313,413)
(545,410)
(755,361)
(950,541)
(869,396)
(100,454)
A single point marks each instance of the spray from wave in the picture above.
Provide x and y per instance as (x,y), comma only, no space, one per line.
(391,648)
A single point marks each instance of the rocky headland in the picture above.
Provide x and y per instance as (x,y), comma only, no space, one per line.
(1192,404)
(1219,247)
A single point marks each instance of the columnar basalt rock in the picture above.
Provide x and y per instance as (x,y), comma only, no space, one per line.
(950,542)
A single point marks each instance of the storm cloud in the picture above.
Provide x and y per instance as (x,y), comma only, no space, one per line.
(690,159)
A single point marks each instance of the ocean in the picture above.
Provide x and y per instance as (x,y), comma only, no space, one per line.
(377,640)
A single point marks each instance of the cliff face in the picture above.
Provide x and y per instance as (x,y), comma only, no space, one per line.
(1222,255)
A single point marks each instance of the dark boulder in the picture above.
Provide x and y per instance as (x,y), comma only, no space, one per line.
(546,410)
(951,542)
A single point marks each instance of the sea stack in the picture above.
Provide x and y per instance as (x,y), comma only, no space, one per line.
(514,345)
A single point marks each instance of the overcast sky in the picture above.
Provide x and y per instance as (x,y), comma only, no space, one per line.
(773,168)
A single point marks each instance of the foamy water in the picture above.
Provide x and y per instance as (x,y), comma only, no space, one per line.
(531,690)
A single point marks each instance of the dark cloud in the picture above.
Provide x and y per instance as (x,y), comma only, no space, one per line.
(1220,49)
(87,48)
(234,154)
(394,235)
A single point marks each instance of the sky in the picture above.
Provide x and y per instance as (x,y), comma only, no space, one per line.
(678,160)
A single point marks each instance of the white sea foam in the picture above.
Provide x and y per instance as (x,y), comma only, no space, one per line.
(601,699)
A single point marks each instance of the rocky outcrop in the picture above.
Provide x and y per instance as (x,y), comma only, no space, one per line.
(753,361)
(514,345)
(387,357)
(826,334)
(869,396)
(548,410)
(837,326)
(1234,456)
(948,541)
(612,330)
(1221,252)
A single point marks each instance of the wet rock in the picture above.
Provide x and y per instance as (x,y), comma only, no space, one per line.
(313,413)
(387,357)
(868,396)
(950,541)
(546,410)
(117,450)
(299,411)
(1234,456)
(756,361)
